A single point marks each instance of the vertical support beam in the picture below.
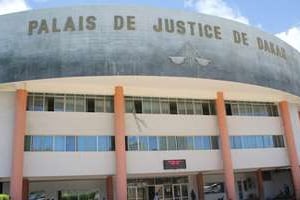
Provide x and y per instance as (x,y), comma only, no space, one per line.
(109,188)
(260,184)
(16,180)
(225,147)
(25,189)
(291,146)
(200,185)
(121,171)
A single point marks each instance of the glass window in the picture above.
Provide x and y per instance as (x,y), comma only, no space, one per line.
(162,143)
(212,107)
(143,143)
(153,143)
(189,108)
(79,103)
(90,104)
(205,108)
(236,142)
(198,108)
(182,143)
(214,142)
(172,143)
(245,109)
(129,105)
(99,105)
(27,143)
(86,143)
(109,104)
(132,143)
(260,110)
(30,102)
(38,103)
(202,142)
(138,107)
(234,109)
(173,107)
(165,107)
(59,143)
(59,104)
(41,143)
(190,142)
(268,141)
(155,105)
(249,142)
(70,142)
(70,103)
(181,107)
(146,105)
(106,143)
(49,103)
(278,141)
(259,141)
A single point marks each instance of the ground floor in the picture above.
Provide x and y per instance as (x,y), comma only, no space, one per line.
(275,184)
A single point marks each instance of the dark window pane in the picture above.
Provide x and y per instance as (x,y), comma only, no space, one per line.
(173,107)
(205,108)
(109,104)
(49,104)
(27,143)
(214,142)
(90,105)
(228,109)
(138,106)
(172,143)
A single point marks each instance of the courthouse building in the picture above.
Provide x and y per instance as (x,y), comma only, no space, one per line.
(114,102)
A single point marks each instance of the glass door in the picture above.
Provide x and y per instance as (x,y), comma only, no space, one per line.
(176,191)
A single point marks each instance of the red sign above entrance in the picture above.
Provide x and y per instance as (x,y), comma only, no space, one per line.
(175,164)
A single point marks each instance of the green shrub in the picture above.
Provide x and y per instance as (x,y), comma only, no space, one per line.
(4,197)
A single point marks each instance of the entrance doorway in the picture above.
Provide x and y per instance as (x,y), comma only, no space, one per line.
(174,188)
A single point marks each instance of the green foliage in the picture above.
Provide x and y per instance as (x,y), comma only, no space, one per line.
(4,197)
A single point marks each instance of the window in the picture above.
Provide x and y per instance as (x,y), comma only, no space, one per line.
(132,143)
(172,143)
(278,141)
(70,103)
(86,143)
(59,143)
(99,104)
(153,143)
(106,143)
(41,143)
(49,103)
(71,143)
(163,143)
(59,103)
(257,141)
(143,143)
(27,143)
(109,104)
(173,107)
(146,105)
(251,108)
(205,108)
(138,106)
(90,105)
(202,142)
(79,103)
(155,106)
(38,103)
